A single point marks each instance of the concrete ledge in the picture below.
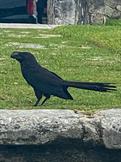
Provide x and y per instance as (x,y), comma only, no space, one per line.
(27,26)
(46,126)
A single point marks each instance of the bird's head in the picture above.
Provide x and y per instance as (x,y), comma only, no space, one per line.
(22,56)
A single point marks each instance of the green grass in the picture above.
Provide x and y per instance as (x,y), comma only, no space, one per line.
(114,22)
(82,53)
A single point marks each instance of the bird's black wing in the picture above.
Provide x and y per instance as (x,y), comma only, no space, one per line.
(44,80)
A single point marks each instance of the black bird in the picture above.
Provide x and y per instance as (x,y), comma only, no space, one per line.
(46,83)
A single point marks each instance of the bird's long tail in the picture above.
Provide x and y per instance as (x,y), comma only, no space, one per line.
(95,86)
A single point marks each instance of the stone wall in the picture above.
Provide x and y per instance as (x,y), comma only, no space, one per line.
(83,11)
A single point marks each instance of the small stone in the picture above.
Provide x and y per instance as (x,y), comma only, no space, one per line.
(118,7)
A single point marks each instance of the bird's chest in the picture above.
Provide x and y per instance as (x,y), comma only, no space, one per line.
(29,74)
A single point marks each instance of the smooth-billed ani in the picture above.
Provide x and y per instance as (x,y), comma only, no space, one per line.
(47,83)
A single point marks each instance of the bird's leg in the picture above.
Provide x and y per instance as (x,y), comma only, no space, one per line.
(47,97)
(38,94)
(37,102)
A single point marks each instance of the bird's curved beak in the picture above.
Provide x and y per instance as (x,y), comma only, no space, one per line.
(15,55)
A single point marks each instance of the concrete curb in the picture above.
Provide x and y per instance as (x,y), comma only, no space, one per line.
(26,26)
(46,126)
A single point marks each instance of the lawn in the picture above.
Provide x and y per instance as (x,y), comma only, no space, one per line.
(81,53)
